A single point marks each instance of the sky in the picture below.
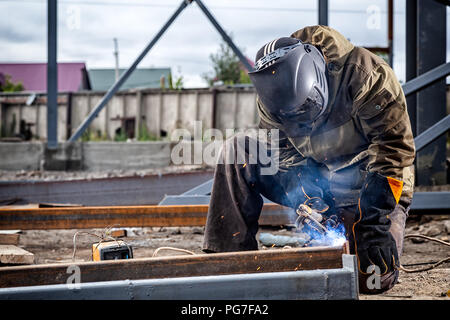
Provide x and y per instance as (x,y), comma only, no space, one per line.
(86,30)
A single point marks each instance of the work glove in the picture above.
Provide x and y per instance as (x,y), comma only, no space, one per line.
(374,244)
(312,190)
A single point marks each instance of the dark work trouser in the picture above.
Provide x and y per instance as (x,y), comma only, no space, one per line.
(236,204)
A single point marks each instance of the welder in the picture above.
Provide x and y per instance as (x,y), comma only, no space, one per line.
(344,137)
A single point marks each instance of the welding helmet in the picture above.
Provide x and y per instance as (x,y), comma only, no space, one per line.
(290,79)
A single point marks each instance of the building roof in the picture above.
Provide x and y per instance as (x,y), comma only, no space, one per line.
(72,76)
(103,79)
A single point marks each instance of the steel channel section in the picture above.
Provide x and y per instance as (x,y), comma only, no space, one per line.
(52,75)
(120,191)
(326,284)
(116,86)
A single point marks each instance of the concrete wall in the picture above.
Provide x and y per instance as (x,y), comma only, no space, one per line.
(98,156)
(21,156)
(160,110)
(91,156)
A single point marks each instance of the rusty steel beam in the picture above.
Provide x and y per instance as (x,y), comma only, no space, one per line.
(244,262)
(125,216)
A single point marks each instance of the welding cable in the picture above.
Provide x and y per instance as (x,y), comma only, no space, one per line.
(433,265)
(75,240)
(171,248)
(106,235)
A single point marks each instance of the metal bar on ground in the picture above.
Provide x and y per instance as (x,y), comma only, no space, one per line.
(125,216)
(275,260)
(411,59)
(391,32)
(338,283)
(225,36)
(118,191)
(325,284)
(431,200)
(52,74)
(110,93)
(323,12)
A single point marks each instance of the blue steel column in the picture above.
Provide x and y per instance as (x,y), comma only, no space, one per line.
(323,12)
(431,101)
(52,75)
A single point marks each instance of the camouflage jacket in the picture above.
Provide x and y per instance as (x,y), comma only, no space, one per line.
(366,126)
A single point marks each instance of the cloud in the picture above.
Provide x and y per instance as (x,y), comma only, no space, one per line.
(86,30)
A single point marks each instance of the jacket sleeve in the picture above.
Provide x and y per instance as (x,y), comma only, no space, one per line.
(380,110)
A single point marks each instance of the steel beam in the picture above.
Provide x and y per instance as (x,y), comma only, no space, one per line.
(203,189)
(118,191)
(116,86)
(341,283)
(323,12)
(130,216)
(422,203)
(391,32)
(431,101)
(224,35)
(432,133)
(274,260)
(427,202)
(52,74)
(426,79)
(411,61)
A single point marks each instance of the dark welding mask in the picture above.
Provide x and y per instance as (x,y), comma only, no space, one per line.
(290,80)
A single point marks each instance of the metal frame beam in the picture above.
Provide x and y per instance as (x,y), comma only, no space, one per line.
(52,74)
(224,35)
(426,79)
(323,12)
(256,261)
(432,133)
(431,101)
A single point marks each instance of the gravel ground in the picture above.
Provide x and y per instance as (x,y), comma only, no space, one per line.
(52,246)
(23,175)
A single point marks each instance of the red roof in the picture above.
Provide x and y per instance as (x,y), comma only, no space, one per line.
(34,75)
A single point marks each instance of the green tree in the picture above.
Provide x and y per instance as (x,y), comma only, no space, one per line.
(6,85)
(227,67)
(179,81)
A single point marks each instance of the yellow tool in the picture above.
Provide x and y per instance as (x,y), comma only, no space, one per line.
(111,250)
